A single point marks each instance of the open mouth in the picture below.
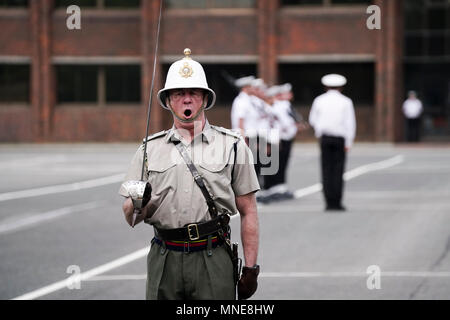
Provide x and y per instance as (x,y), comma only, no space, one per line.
(187,113)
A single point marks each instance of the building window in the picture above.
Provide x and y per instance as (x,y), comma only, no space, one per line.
(80,3)
(14,83)
(349,2)
(122,3)
(427,25)
(221,78)
(98,85)
(123,84)
(99,4)
(432,83)
(77,83)
(324,2)
(13,3)
(306,81)
(209,4)
(427,61)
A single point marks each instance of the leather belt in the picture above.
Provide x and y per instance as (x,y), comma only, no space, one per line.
(188,246)
(194,231)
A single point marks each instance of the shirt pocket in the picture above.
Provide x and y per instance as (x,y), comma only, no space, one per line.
(162,177)
(217,177)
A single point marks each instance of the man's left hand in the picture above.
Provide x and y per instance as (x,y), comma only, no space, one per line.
(248,283)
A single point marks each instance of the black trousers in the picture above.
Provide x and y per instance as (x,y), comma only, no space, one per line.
(258,146)
(333,158)
(280,176)
(413,129)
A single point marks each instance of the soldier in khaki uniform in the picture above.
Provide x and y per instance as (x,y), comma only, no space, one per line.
(189,258)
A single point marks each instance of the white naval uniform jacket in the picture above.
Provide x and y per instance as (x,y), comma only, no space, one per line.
(412,108)
(239,109)
(333,114)
(287,125)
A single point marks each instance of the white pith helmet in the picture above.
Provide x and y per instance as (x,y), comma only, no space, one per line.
(186,73)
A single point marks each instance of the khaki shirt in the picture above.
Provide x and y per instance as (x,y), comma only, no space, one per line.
(176,198)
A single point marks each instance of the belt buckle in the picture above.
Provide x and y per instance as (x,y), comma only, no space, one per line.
(194,227)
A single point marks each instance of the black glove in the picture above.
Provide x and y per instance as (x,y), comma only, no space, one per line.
(248,283)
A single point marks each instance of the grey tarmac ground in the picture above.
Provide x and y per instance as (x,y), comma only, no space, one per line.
(60,212)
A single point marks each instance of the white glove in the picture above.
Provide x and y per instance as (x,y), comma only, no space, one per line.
(139,191)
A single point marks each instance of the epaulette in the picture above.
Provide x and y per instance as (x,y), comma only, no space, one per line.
(155,135)
(227,131)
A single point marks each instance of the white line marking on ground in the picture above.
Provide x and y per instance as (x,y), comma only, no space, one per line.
(373,167)
(141,253)
(39,218)
(61,188)
(85,275)
(300,193)
(119,277)
(25,161)
(412,274)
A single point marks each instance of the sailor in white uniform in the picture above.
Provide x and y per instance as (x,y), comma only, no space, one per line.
(288,122)
(333,118)
(242,104)
(271,162)
(257,126)
(261,127)
(412,109)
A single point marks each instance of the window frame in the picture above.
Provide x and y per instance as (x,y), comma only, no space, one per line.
(326,4)
(210,6)
(101,94)
(14,7)
(426,32)
(19,62)
(100,5)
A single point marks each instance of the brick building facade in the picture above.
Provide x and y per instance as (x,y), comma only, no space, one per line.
(93,84)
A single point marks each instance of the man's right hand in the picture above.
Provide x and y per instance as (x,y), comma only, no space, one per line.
(139,191)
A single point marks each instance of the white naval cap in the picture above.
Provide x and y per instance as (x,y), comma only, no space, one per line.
(273,91)
(244,81)
(334,80)
(259,83)
(287,87)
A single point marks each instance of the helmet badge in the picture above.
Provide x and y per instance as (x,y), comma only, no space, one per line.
(186,70)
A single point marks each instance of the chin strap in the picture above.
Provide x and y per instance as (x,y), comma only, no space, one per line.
(199,112)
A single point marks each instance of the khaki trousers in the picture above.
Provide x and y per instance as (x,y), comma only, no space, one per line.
(173,275)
